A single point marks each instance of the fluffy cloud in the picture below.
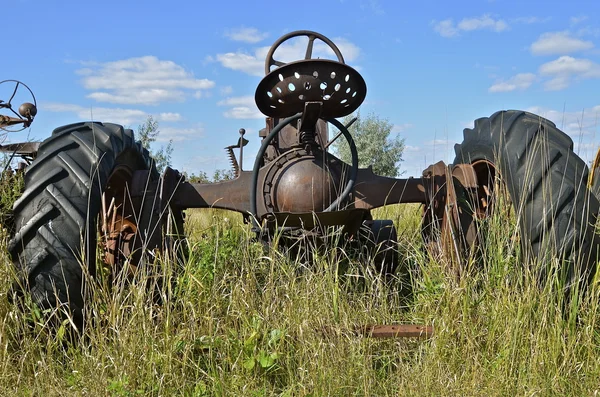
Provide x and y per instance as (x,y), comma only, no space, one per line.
(246,35)
(559,43)
(243,62)
(530,20)
(570,65)
(447,28)
(169,117)
(247,100)
(437,142)
(242,107)
(520,82)
(483,22)
(562,70)
(177,134)
(226,90)
(109,115)
(122,116)
(146,80)
(400,128)
(578,19)
(295,49)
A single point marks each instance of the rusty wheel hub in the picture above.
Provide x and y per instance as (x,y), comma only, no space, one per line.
(458,196)
(119,241)
(118,226)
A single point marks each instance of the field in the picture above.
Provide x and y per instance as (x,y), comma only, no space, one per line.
(239,320)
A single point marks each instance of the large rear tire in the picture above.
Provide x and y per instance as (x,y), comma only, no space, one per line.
(77,168)
(546,182)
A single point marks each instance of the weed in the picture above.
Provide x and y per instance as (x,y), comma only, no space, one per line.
(238,320)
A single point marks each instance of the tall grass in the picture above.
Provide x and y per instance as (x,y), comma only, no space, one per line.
(241,320)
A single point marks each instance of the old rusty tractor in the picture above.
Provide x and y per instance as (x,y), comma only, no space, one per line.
(93,181)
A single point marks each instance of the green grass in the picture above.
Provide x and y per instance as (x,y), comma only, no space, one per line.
(239,321)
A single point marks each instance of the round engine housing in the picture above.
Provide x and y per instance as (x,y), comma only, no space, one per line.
(303,184)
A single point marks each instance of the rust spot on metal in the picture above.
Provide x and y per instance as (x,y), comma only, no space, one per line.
(397,331)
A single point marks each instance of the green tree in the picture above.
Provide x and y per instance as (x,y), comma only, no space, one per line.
(219,175)
(147,133)
(223,175)
(201,177)
(374,144)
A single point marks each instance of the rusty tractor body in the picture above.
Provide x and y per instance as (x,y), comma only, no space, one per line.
(296,186)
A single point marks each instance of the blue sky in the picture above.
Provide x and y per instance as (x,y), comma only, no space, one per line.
(431,67)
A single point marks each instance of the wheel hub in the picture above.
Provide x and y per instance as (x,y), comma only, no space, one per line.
(298,181)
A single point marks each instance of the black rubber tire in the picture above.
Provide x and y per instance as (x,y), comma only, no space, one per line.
(59,208)
(546,182)
(382,238)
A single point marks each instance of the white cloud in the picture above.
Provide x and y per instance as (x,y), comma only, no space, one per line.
(242,107)
(588,31)
(247,100)
(570,65)
(437,142)
(179,134)
(559,43)
(557,83)
(242,112)
(531,20)
(349,50)
(447,28)
(562,70)
(399,128)
(126,117)
(143,97)
(246,35)
(578,19)
(519,82)
(412,149)
(482,22)
(109,115)
(146,80)
(169,117)
(373,5)
(250,64)
(295,49)
(226,90)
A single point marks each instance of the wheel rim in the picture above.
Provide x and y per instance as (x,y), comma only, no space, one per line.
(118,226)
(450,221)
(486,173)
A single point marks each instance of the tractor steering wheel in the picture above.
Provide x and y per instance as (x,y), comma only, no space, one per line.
(312,36)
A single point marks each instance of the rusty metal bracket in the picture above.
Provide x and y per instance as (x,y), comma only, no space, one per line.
(381,331)
(449,227)
(396,331)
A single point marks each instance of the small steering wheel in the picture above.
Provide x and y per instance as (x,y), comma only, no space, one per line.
(26,111)
(312,36)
